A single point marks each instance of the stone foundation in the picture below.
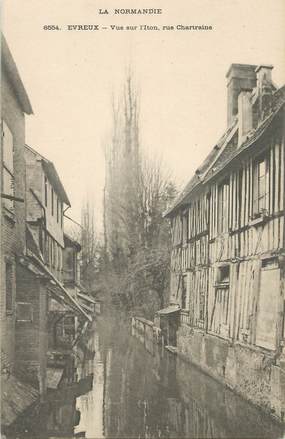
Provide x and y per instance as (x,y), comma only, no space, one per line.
(254,374)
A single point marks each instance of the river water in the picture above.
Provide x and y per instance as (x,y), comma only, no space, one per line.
(142,394)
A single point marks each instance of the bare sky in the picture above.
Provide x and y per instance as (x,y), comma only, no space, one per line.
(70,76)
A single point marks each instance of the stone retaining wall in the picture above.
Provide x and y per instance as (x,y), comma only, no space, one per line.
(252,373)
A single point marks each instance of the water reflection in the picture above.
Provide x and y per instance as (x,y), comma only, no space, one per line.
(91,404)
(142,394)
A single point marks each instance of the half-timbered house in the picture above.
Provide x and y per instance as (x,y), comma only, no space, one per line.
(43,301)
(228,258)
(16,396)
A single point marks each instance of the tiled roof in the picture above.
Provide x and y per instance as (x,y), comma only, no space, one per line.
(227,157)
(225,151)
(198,176)
(193,183)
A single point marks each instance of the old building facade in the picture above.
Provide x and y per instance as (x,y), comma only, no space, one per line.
(15,106)
(228,258)
(35,356)
(43,302)
(46,202)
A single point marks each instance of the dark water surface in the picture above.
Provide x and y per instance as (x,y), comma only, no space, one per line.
(138,394)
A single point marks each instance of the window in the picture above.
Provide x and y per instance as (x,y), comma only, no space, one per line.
(24,312)
(46,192)
(8,166)
(52,201)
(220,311)
(66,328)
(69,326)
(223,274)
(9,286)
(260,186)
(270,263)
(223,206)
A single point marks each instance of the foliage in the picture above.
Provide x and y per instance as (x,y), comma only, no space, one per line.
(91,249)
(137,237)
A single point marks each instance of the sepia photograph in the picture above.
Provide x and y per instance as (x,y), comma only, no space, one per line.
(142,237)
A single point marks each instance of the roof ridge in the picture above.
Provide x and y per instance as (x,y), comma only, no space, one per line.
(33,150)
(14,77)
(254,135)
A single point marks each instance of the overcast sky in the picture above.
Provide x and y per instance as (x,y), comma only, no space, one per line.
(70,76)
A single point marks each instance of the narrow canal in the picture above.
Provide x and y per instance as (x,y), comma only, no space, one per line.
(142,394)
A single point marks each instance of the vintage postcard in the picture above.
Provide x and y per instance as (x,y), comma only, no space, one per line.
(142,281)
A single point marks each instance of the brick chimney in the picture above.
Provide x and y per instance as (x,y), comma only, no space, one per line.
(263,74)
(245,115)
(264,86)
(239,77)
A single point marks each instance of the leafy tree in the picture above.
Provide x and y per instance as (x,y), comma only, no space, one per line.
(137,192)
